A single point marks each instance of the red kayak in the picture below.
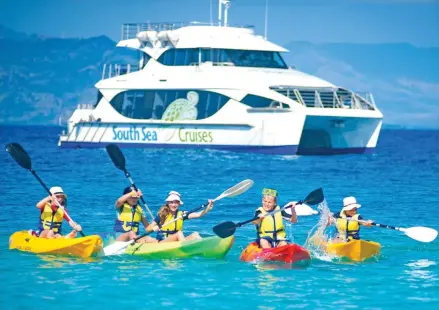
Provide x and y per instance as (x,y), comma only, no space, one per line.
(290,254)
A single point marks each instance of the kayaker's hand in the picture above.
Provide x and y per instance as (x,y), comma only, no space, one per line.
(139,193)
(155,228)
(292,204)
(78,227)
(368,223)
(261,216)
(209,205)
(330,219)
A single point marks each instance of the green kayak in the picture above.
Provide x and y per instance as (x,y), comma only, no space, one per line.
(212,247)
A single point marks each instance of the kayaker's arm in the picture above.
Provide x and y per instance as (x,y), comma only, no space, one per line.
(260,215)
(145,222)
(43,202)
(152,227)
(72,223)
(196,215)
(363,222)
(292,205)
(122,199)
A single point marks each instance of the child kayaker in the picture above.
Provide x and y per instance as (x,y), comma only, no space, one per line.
(169,212)
(270,229)
(51,217)
(129,216)
(346,228)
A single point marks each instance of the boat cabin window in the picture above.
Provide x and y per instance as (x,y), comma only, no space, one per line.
(170,105)
(244,58)
(179,57)
(98,98)
(238,58)
(262,102)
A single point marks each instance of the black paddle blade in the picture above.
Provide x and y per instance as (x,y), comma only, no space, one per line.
(20,155)
(116,156)
(225,229)
(315,197)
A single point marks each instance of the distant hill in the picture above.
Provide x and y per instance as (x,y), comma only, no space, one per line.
(42,79)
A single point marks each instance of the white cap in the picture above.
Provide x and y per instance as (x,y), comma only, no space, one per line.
(350,203)
(174,196)
(56,190)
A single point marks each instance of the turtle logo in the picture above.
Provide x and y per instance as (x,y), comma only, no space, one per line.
(181,110)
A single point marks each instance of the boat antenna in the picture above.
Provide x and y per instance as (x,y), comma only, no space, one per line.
(211,19)
(219,12)
(266,19)
(227,6)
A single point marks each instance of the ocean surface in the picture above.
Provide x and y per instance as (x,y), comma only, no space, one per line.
(398,185)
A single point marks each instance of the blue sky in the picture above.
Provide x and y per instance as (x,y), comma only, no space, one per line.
(355,21)
(404,78)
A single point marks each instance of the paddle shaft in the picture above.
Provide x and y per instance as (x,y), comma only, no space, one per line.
(174,220)
(375,224)
(268,214)
(231,192)
(47,190)
(180,217)
(127,174)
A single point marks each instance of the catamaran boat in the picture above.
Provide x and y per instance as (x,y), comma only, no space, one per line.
(219,87)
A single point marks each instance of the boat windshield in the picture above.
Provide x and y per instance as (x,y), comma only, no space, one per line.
(230,57)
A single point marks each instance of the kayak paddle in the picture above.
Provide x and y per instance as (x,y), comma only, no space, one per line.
(228,228)
(302,210)
(118,159)
(235,190)
(418,233)
(22,158)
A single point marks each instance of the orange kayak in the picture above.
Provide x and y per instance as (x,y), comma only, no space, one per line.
(290,254)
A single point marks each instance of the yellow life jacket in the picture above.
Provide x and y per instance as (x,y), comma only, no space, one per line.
(51,220)
(271,226)
(128,218)
(348,230)
(174,227)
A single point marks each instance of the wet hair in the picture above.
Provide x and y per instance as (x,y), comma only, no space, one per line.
(163,213)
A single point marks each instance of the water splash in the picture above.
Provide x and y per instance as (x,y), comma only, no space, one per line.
(318,235)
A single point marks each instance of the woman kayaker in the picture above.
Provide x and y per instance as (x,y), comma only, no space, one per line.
(169,212)
(52,215)
(270,229)
(348,221)
(129,216)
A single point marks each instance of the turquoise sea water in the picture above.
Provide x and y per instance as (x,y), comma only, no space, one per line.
(397,186)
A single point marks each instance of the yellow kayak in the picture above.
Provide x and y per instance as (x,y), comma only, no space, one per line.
(356,250)
(82,247)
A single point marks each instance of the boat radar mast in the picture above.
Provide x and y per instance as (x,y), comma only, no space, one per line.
(226,4)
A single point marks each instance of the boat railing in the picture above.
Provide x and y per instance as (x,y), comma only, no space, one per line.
(112,70)
(328,98)
(130,31)
(84,106)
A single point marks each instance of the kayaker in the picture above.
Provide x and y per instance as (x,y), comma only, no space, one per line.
(52,216)
(169,212)
(346,228)
(270,229)
(129,216)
